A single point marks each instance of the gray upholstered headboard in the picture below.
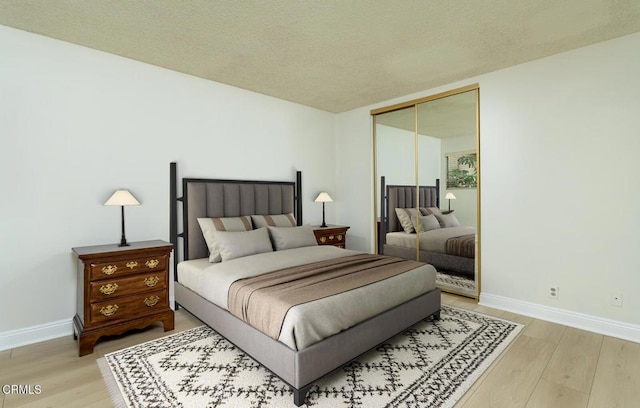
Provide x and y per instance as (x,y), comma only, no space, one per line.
(229,198)
(405,197)
(402,197)
(226,198)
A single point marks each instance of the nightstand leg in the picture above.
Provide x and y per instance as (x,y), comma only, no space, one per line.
(168,321)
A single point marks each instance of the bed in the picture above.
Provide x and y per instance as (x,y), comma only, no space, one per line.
(450,249)
(298,358)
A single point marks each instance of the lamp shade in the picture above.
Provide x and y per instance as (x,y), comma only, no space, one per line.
(122,197)
(323,198)
(449,196)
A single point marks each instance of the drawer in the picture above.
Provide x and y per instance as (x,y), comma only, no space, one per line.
(106,289)
(124,267)
(128,307)
(331,239)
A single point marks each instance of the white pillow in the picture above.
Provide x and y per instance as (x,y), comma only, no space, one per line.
(427,223)
(292,237)
(237,244)
(448,220)
(221,224)
(275,220)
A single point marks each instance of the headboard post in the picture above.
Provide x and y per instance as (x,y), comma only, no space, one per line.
(382,228)
(173,214)
(298,198)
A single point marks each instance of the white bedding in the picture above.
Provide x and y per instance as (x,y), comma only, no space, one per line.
(307,323)
(433,240)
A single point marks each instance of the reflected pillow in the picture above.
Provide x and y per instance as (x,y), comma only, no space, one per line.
(275,220)
(237,244)
(292,237)
(404,216)
(430,210)
(447,220)
(221,224)
(427,223)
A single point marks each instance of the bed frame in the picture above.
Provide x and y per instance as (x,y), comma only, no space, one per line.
(299,369)
(396,196)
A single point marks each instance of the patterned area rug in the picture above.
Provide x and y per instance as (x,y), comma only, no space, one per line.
(432,364)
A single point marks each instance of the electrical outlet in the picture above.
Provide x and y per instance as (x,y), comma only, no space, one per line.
(616,299)
(553,292)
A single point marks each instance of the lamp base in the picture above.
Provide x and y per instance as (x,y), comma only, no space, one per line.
(123,242)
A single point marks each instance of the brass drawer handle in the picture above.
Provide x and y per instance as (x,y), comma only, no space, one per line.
(109,288)
(109,310)
(132,264)
(151,300)
(109,269)
(330,237)
(151,281)
(339,237)
(323,239)
(152,263)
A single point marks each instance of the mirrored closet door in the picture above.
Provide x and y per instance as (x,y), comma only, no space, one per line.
(427,172)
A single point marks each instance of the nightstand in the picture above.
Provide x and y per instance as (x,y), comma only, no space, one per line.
(335,235)
(121,288)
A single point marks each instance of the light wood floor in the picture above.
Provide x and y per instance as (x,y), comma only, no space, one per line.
(548,365)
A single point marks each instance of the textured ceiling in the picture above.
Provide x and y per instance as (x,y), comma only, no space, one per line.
(332,55)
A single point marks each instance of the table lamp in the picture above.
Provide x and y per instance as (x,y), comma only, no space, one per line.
(323,198)
(122,198)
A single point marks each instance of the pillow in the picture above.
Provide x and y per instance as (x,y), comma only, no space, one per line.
(222,224)
(404,216)
(427,223)
(236,244)
(292,237)
(447,220)
(278,220)
(430,210)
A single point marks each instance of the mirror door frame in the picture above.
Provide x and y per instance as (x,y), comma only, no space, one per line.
(414,103)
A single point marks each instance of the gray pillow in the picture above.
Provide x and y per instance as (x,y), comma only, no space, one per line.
(427,223)
(430,210)
(221,224)
(404,216)
(234,244)
(447,220)
(275,220)
(292,237)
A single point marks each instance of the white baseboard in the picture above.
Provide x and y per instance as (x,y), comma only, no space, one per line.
(35,334)
(595,324)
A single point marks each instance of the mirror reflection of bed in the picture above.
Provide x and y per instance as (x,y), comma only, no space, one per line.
(413,228)
(433,143)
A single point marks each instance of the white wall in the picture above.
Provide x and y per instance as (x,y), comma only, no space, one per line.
(396,158)
(76,124)
(559,138)
(396,155)
(429,160)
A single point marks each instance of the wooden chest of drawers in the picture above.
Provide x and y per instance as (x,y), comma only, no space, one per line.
(121,288)
(335,235)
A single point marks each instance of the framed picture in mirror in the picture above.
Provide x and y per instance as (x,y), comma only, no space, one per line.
(462,171)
